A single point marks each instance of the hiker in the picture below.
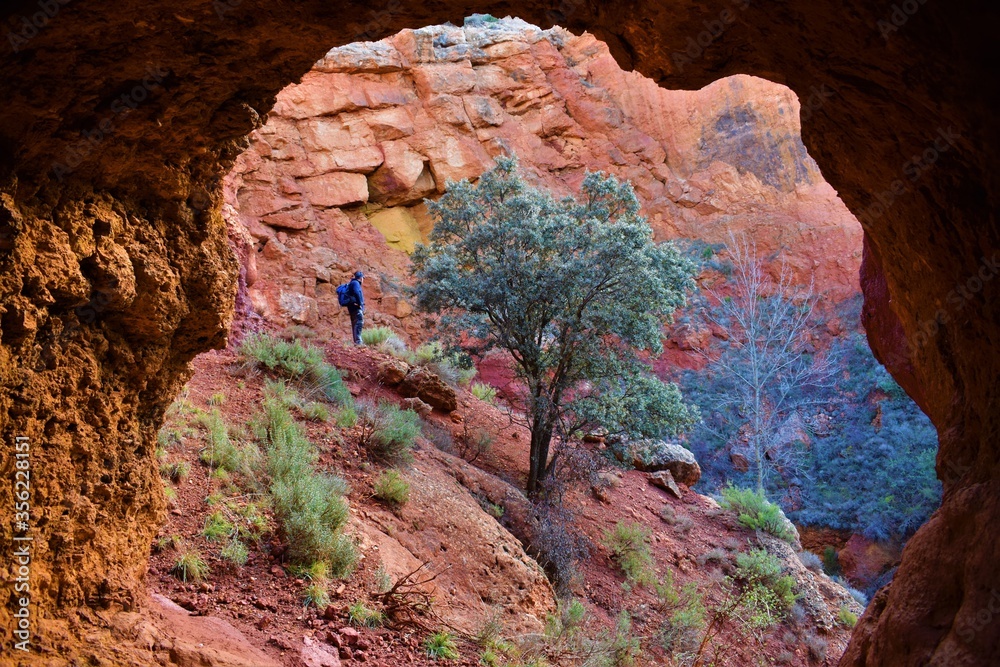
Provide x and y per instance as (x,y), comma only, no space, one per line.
(356,305)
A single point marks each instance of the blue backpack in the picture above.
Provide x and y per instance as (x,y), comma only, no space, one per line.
(344,296)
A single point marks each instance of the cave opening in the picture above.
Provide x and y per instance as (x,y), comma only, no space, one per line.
(116,273)
(335,180)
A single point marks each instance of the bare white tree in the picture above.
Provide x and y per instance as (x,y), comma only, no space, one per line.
(768,367)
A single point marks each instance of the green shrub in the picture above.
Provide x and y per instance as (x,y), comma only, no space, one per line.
(389,433)
(682,630)
(756,512)
(217,527)
(346,417)
(302,362)
(316,412)
(309,505)
(329,382)
(169,494)
(759,569)
(376,335)
(317,595)
(629,547)
(235,552)
(276,354)
(847,617)
(441,646)
(454,368)
(391,488)
(363,616)
(217,399)
(282,392)
(219,451)
(190,565)
(625,647)
(176,471)
(484,392)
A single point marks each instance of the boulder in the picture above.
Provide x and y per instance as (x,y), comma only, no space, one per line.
(314,655)
(653,456)
(665,480)
(429,388)
(417,406)
(392,371)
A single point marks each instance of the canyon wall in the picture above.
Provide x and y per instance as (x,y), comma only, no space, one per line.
(335,179)
(148,105)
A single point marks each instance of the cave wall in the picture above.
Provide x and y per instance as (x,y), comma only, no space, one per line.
(120,119)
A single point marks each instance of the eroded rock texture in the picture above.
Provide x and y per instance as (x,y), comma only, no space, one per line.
(140,108)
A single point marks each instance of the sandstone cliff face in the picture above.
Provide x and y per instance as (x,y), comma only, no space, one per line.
(336,177)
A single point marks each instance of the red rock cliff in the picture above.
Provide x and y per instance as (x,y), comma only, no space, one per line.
(346,157)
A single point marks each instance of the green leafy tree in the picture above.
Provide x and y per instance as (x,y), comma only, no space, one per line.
(575,290)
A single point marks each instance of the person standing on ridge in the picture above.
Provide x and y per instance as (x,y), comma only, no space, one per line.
(357,307)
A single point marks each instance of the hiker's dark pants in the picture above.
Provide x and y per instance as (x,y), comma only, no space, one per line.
(357,321)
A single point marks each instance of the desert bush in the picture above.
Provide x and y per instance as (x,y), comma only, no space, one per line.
(441,646)
(817,647)
(328,381)
(391,488)
(847,617)
(484,392)
(218,398)
(217,527)
(474,443)
(304,363)
(363,616)
(855,593)
(235,552)
(316,412)
(681,631)
(176,471)
(275,354)
(317,595)
(190,566)
(309,505)
(455,368)
(758,568)
(376,335)
(389,433)
(629,547)
(169,494)
(440,437)
(717,556)
(625,648)
(346,417)
(756,512)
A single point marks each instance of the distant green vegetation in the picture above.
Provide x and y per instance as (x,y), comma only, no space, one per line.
(870,465)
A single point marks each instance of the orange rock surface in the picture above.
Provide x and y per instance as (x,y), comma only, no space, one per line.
(336,177)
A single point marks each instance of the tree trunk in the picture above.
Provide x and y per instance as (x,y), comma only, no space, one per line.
(541,438)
